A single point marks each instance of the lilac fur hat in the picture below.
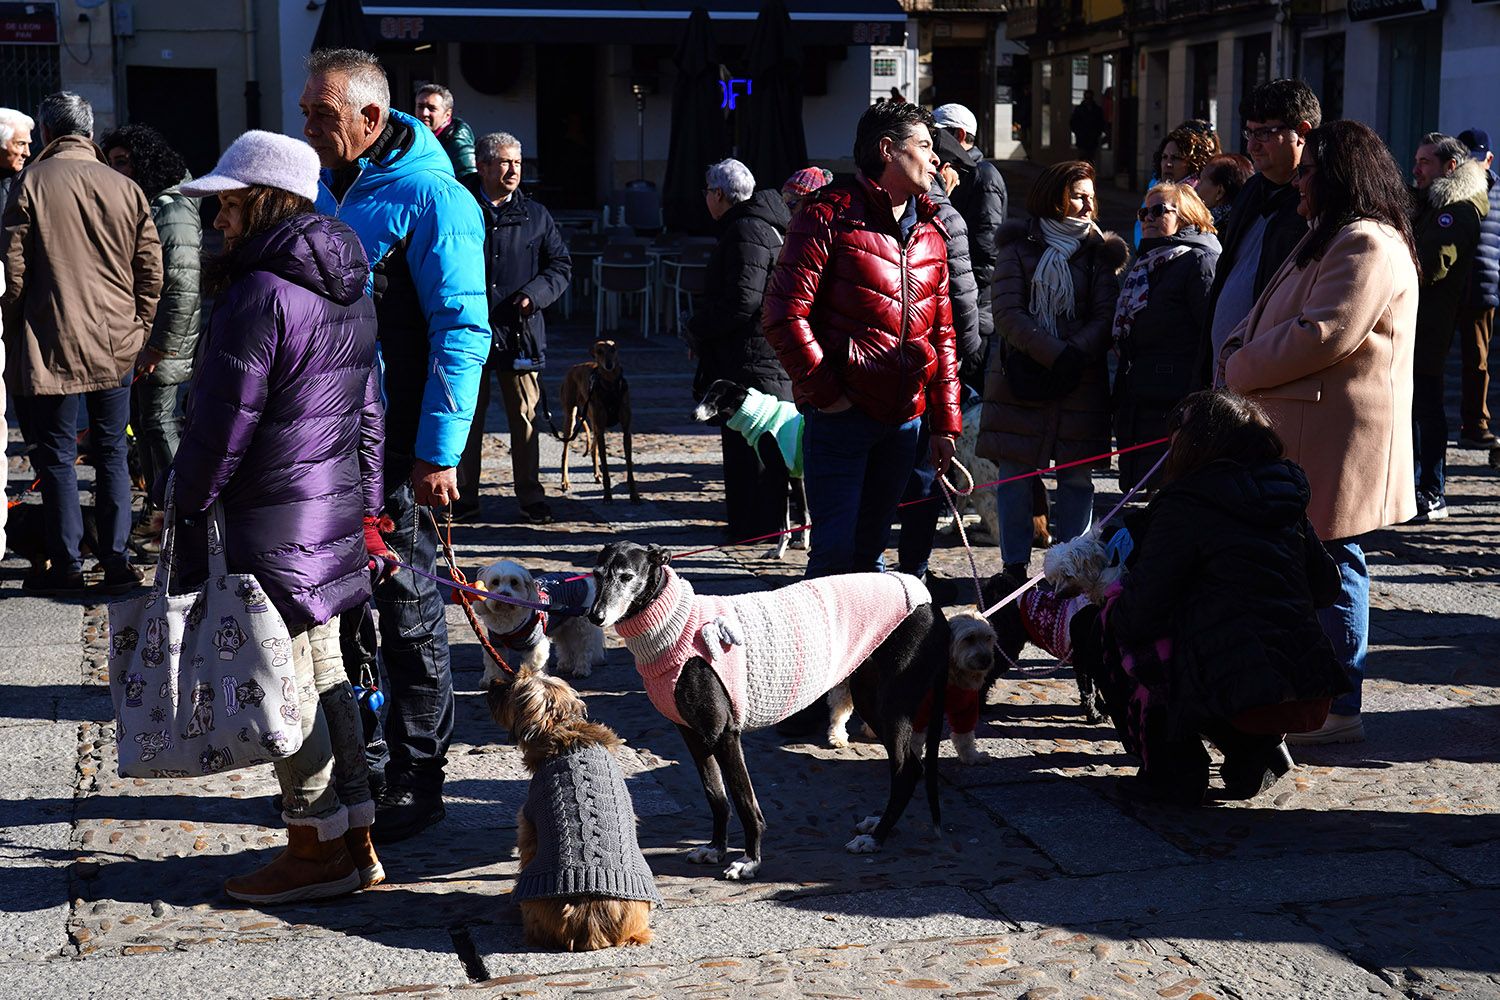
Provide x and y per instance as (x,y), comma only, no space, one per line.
(262,159)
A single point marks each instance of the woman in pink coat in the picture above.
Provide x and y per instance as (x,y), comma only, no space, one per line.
(1327,352)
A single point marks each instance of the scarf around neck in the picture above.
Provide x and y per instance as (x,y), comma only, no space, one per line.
(1137,286)
(1052,293)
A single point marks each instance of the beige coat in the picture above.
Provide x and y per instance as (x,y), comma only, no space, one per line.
(1327,351)
(82,269)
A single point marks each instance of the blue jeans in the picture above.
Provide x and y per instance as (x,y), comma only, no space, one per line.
(413,646)
(1072,507)
(1347,622)
(54,425)
(919,521)
(1429,433)
(855,470)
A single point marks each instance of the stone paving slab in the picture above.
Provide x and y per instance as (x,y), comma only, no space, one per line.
(1050,815)
(1259,956)
(1185,888)
(688,934)
(306,966)
(38,621)
(31,755)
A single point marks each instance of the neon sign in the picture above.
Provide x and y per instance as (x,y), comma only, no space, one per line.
(730,92)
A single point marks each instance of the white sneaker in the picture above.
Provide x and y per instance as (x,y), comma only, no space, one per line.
(1338,729)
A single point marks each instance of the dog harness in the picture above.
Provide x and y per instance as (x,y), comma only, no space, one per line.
(566,599)
(761,413)
(585,831)
(775,652)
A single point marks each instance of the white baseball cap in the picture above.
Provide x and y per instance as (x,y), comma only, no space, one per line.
(956,116)
(261,159)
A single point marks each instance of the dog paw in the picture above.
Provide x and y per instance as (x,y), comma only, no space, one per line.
(581,670)
(742,869)
(868,824)
(863,844)
(972,756)
(838,737)
(705,856)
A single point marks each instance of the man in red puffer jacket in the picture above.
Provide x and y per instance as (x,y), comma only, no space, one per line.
(858,312)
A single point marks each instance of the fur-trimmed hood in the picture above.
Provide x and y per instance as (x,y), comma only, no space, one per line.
(1470,183)
(1114,253)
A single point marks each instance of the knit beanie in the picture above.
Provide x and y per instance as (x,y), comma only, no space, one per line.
(806,181)
(261,159)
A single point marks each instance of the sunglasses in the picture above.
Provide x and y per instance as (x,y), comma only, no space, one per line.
(1154,212)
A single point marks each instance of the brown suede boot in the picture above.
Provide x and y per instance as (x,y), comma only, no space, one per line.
(309,868)
(371,872)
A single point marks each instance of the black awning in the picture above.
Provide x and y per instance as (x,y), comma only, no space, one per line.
(816,22)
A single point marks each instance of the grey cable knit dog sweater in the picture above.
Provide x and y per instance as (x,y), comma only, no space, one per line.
(585,831)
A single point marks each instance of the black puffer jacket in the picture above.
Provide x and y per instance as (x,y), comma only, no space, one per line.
(524,254)
(1227,566)
(962,290)
(981,199)
(1159,360)
(725,330)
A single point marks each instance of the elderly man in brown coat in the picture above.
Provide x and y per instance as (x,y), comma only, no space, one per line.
(82,276)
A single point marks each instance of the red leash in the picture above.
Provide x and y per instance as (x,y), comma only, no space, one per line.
(927,499)
(16,500)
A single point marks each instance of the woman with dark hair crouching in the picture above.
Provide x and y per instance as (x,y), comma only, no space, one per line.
(1212,632)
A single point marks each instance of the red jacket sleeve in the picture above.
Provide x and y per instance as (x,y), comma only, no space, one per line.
(788,305)
(943,413)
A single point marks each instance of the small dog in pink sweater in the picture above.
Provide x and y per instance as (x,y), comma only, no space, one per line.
(717,666)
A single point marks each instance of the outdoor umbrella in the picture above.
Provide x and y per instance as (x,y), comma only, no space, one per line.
(772,142)
(699,136)
(344,25)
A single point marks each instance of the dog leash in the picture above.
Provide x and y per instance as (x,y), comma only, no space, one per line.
(462,589)
(20,497)
(949,493)
(1015,594)
(927,499)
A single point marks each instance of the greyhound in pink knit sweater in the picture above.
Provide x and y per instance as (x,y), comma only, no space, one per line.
(718,666)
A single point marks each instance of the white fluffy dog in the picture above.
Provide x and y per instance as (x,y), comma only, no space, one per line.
(532,634)
(1081,566)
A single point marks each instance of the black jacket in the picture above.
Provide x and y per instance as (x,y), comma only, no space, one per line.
(1284,230)
(1447,228)
(963,291)
(1227,566)
(1159,361)
(725,330)
(524,254)
(981,199)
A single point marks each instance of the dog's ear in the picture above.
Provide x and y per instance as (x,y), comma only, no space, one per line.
(657,555)
(497,696)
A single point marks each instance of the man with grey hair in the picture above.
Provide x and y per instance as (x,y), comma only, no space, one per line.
(389,180)
(1452,193)
(15,147)
(83,274)
(527,268)
(435,110)
(725,334)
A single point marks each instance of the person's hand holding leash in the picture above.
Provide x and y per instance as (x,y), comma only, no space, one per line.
(942,449)
(382,558)
(147,360)
(433,486)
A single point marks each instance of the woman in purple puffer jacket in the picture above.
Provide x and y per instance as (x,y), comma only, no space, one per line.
(285,428)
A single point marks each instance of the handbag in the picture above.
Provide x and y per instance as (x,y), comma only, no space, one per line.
(201,681)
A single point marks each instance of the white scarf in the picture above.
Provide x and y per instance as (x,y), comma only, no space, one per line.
(1052,284)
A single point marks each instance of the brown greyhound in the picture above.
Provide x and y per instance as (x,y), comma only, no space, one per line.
(596,394)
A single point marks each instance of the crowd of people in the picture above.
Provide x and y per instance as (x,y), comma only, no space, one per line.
(1283,319)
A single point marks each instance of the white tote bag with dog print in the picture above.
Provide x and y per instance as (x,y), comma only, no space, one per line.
(203,681)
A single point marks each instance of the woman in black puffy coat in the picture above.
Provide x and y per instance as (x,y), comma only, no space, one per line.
(725,334)
(1213,633)
(1159,319)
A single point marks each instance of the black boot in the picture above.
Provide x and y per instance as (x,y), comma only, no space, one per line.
(1247,773)
(403,811)
(1017,570)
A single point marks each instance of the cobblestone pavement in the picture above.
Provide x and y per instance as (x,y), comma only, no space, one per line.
(1370,871)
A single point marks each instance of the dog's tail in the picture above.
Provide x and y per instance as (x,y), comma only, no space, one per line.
(935,733)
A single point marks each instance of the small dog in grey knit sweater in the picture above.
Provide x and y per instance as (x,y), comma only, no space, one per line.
(584,883)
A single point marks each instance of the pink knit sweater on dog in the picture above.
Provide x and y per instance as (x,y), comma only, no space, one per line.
(777,651)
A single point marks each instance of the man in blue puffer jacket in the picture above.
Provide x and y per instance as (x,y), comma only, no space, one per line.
(387,178)
(1476,317)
